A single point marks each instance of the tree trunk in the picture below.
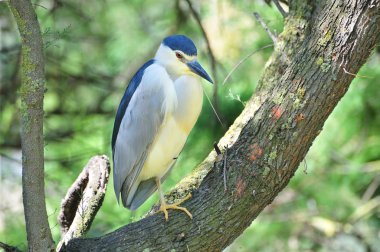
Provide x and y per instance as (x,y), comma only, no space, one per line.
(324,43)
(32,94)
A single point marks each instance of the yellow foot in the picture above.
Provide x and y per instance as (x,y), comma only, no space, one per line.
(164,207)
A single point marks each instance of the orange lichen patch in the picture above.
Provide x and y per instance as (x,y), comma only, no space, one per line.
(276,112)
(300,117)
(240,188)
(256,152)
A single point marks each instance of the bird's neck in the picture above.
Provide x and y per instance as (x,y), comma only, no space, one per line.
(173,75)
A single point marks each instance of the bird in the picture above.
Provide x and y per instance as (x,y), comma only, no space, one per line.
(159,108)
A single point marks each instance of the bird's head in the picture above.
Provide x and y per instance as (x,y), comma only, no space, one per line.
(178,54)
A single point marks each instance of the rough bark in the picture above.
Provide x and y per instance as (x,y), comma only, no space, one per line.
(324,43)
(83,200)
(32,93)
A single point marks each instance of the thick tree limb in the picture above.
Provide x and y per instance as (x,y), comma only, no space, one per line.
(83,199)
(32,94)
(270,138)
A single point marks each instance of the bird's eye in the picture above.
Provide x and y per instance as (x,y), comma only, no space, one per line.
(179,55)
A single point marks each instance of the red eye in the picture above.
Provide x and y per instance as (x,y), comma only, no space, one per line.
(178,55)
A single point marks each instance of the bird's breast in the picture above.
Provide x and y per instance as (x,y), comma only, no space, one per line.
(190,98)
(165,149)
(172,136)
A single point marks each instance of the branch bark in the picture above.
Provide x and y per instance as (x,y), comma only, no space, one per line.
(303,82)
(32,94)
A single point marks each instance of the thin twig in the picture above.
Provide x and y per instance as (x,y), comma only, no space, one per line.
(9,248)
(355,75)
(305,166)
(279,7)
(242,61)
(216,147)
(213,108)
(210,52)
(225,170)
(371,189)
(39,5)
(262,23)
(219,157)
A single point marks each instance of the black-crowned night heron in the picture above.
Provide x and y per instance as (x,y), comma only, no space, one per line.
(155,116)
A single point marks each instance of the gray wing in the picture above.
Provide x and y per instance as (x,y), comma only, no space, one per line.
(146,188)
(138,128)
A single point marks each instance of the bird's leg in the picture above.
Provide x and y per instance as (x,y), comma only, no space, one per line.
(164,207)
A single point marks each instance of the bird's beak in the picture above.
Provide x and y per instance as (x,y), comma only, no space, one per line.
(198,69)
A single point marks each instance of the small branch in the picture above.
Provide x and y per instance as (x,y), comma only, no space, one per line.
(215,110)
(182,15)
(211,54)
(242,61)
(262,23)
(225,169)
(219,157)
(10,49)
(279,7)
(8,248)
(83,199)
(39,5)
(355,75)
(305,166)
(216,147)
(370,191)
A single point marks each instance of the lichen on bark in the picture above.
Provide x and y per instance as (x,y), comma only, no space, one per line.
(31,113)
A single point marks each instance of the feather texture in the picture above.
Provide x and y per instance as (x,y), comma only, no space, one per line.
(132,86)
(138,128)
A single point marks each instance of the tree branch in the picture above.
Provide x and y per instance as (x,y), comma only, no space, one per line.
(8,248)
(32,94)
(280,9)
(269,139)
(265,27)
(83,199)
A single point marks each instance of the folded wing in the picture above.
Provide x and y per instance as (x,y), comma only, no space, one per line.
(144,113)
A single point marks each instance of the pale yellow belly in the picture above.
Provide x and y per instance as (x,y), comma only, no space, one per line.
(169,142)
(173,134)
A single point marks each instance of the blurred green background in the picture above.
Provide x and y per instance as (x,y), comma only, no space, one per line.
(94,48)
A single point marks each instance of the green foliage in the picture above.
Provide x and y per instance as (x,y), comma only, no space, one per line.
(92,50)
